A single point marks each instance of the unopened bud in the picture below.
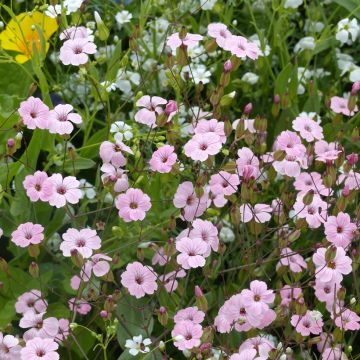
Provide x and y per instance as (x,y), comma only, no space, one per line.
(247,109)
(104,314)
(171,107)
(228,66)
(345,191)
(103,31)
(34,269)
(198,291)
(355,88)
(352,159)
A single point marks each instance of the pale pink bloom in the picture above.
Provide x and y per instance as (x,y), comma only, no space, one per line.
(201,146)
(76,51)
(163,159)
(224,183)
(247,162)
(306,324)
(27,234)
(258,297)
(190,334)
(113,152)
(290,166)
(205,230)
(75,32)
(327,291)
(247,354)
(139,279)
(40,349)
(191,252)
(309,129)
(190,40)
(192,314)
(219,32)
(61,119)
(261,344)
(293,260)
(306,182)
(75,282)
(38,187)
(340,106)
(315,213)
(97,264)
(352,180)
(241,47)
(290,142)
(133,205)
(34,113)
(9,347)
(80,306)
(346,319)
(39,327)
(260,213)
(333,353)
(31,301)
(331,270)
(186,199)
(169,280)
(326,152)
(288,294)
(115,176)
(277,206)
(160,257)
(211,126)
(326,339)
(84,241)
(219,200)
(66,190)
(64,330)
(150,109)
(339,230)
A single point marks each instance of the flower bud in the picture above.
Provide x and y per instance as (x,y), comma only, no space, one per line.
(34,269)
(228,66)
(352,159)
(163,316)
(247,109)
(345,191)
(77,258)
(102,28)
(198,291)
(355,88)
(3,265)
(104,314)
(170,107)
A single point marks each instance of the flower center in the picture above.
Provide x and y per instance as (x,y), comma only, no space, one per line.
(139,280)
(80,243)
(190,200)
(77,51)
(257,297)
(203,147)
(339,229)
(188,337)
(40,353)
(37,187)
(61,190)
(133,205)
(331,265)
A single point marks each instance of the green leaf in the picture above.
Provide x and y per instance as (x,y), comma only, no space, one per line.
(352,6)
(79,164)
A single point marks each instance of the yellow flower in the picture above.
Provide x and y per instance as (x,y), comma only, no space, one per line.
(21,34)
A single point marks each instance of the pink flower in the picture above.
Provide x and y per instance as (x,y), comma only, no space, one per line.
(314,213)
(339,230)
(247,354)
(293,260)
(306,182)
(334,268)
(326,152)
(115,176)
(84,241)
(150,110)
(201,146)
(247,164)
(98,264)
(31,301)
(327,291)
(64,330)
(191,252)
(258,297)
(352,180)
(260,213)
(288,294)
(219,32)
(190,40)
(241,47)
(192,314)
(133,205)
(185,199)
(40,349)
(189,333)
(66,190)
(211,126)
(340,106)
(76,51)
(169,280)
(39,327)
(27,234)
(163,159)
(306,324)
(290,166)
(75,32)
(139,279)
(260,344)
(112,153)
(333,353)
(61,119)
(205,230)
(346,319)
(224,183)
(160,257)
(38,187)
(9,347)
(79,306)
(309,129)
(290,142)
(75,282)
(34,113)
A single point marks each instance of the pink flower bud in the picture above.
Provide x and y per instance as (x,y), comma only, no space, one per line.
(10,143)
(352,159)
(171,107)
(277,99)
(345,191)
(104,314)
(355,88)
(248,108)
(227,66)
(198,291)
(162,310)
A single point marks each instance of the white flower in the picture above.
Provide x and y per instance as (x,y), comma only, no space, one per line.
(72,5)
(307,42)
(54,11)
(123,17)
(316,315)
(227,234)
(313,26)
(207,4)
(250,78)
(124,80)
(138,345)
(122,131)
(109,86)
(197,74)
(355,74)
(347,31)
(87,189)
(293,4)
